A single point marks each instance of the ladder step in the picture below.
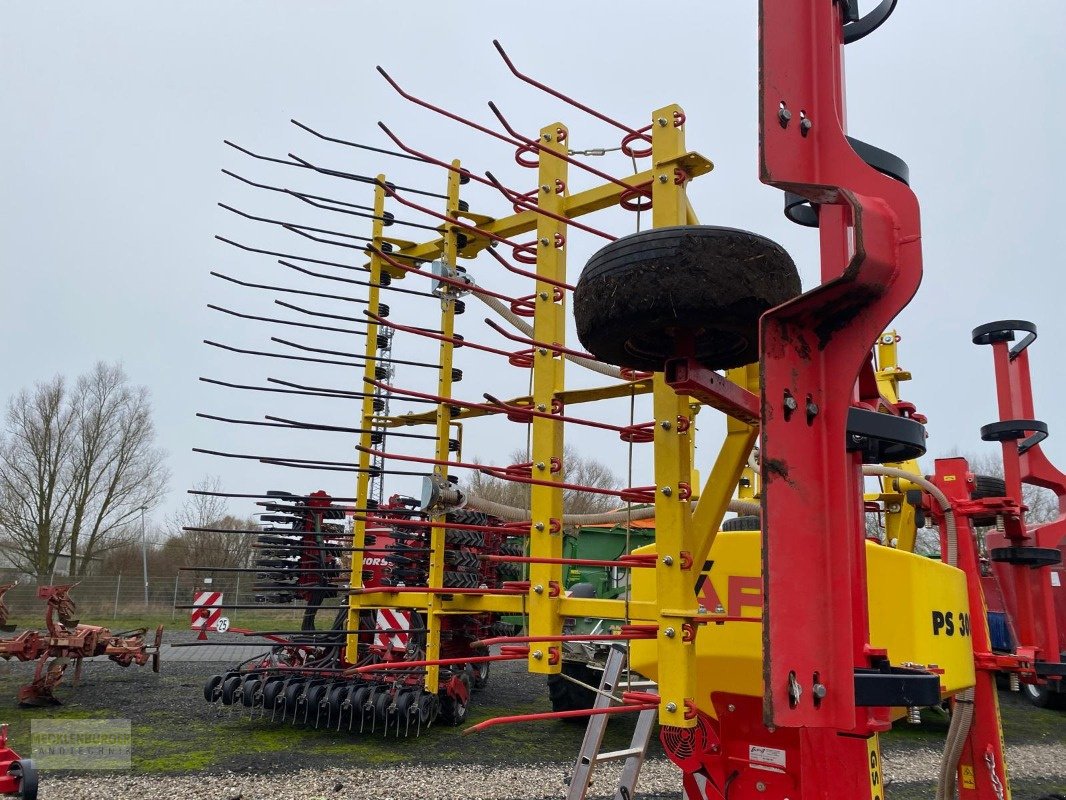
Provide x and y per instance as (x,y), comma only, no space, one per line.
(614,755)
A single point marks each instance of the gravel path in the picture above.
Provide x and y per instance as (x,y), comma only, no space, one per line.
(915,768)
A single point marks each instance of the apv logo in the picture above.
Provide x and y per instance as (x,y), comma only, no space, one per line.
(742,592)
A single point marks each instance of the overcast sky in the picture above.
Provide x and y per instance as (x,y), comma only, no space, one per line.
(112,143)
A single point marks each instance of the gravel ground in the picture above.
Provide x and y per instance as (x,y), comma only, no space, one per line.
(183,748)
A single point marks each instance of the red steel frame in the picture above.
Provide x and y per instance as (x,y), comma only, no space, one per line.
(816,624)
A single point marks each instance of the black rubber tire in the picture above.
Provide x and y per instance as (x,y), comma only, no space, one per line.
(1044,697)
(272,692)
(639,294)
(229,687)
(748,522)
(986,486)
(25,772)
(248,692)
(210,688)
(568,696)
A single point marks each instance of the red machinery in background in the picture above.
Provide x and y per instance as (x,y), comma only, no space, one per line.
(67,640)
(1024,572)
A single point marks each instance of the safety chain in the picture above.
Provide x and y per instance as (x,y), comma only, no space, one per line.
(990,760)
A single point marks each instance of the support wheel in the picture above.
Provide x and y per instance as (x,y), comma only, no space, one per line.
(1044,696)
(25,773)
(568,696)
(649,296)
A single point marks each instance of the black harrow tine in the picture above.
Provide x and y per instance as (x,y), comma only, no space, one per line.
(381,150)
(354,355)
(340,466)
(334,395)
(290,291)
(387,220)
(282,355)
(277,321)
(311,313)
(343,392)
(340,429)
(357,283)
(313,238)
(291,225)
(351,176)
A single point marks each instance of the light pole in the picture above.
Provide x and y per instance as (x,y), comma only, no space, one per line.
(144,556)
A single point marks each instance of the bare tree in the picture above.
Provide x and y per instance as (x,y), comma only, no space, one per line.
(76,467)
(190,545)
(35,451)
(577,469)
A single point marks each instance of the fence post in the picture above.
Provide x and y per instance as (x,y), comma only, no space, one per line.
(174,610)
(118,585)
(237,591)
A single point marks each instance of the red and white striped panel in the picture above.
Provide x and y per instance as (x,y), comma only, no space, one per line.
(208,611)
(390,622)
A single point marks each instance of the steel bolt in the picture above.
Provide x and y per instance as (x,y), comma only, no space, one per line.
(760,786)
(547,137)
(663,179)
(539,589)
(670,633)
(667,491)
(790,403)
(539,526)
(540,465)
(671,707)
(894,508)
(541,407)
(812,408)
(545,188)
(668,560)
(731,707)
(543,242)
(818,690)
(662,122)
(538,654)
(805,126)
(542,351)
(784,116)
(543,295)
(665,425)
(887,339)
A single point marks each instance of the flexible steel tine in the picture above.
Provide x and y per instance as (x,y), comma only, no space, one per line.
(276,321)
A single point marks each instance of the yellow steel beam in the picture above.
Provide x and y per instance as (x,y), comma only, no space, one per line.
(675,576)
(442,452)
(549,326)
(362,482)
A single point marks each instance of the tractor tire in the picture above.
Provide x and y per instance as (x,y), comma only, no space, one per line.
(986,486)
(640,298)
(1044,696)
(748,522)
(568,696)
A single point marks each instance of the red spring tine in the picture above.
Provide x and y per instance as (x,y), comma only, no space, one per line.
(438,336)
(568,159)
(548,715)
(516,409)
(555,348)
(525,201)
(526,273)
(565,98)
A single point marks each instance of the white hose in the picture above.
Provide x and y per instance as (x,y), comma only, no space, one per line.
(516,514)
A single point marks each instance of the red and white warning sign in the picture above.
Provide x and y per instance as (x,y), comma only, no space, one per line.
(207,614)
(393,627)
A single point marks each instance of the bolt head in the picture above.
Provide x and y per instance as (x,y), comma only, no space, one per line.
(539,526)
(539,589)
(544,242)
(538,654)
(665,425)
(540,465)
(667,491)
(668,560)
(547,137)
(784,116)
(663,179)
(541,407)
(661,121)
(760,786)
(543,295)
(545,188)
(671,707)
(731,707)
(818,690)
(791,404)
(670,633)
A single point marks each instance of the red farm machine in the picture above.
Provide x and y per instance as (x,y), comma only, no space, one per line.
(780,649)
